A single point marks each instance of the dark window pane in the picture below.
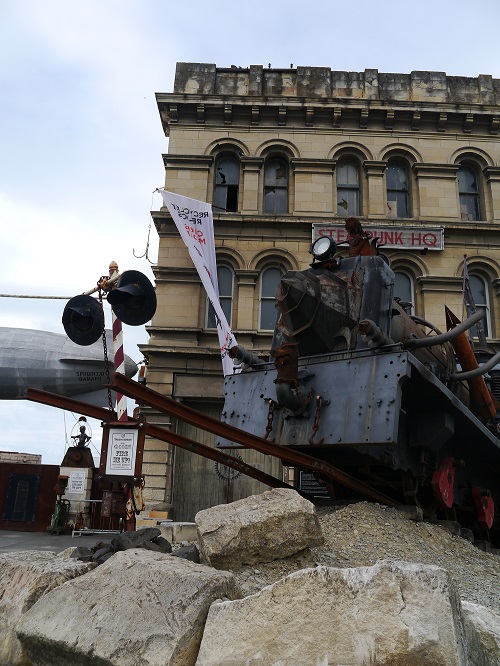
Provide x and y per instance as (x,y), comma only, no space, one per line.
(397,190)
(225,279)
(480,296)
(276,186)
(227,173)
(403,287)
(467,181)
(268,313)
(347,176)
(347,202)
(270,279)
(468,193)
(276,173)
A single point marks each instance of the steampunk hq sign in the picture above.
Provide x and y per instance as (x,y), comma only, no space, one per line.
(397,238)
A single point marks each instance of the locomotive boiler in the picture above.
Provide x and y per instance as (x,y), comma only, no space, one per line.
(356,381)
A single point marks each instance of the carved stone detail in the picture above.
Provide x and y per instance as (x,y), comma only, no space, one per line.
(443,117)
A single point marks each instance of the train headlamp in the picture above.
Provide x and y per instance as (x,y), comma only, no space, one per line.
(323,248)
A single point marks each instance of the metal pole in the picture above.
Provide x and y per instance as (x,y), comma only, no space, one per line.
(119,355)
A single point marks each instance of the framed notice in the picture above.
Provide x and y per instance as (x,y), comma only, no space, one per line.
(77,482)
(121,450)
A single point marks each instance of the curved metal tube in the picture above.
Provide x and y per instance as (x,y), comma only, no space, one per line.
(415,343)
(477,372)
(241,354)
(424,322)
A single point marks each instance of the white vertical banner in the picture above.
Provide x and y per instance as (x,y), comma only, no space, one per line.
(194,221)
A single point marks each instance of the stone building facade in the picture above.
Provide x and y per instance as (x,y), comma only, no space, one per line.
(284,155)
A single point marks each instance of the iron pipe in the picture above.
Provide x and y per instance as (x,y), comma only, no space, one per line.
(416,343)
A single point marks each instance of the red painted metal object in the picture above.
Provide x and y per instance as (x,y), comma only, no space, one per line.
(442,483)
(485,507)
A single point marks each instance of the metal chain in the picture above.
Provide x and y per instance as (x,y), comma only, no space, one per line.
(270,416)
(105,344)
(320,402)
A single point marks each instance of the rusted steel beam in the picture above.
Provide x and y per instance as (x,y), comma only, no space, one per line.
(147,396)
(158,432)
(70,404)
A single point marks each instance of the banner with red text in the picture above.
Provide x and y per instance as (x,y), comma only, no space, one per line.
(194,221)
(397,238)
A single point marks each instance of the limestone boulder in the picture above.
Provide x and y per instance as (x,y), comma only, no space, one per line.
(261,528)
(482,629)
(24,578)
(139,607)
(391,613)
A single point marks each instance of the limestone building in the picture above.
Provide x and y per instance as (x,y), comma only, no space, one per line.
(284,155)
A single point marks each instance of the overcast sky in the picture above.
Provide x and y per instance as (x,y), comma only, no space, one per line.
(81,140)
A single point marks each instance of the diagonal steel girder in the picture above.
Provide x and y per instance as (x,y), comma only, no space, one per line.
(102,414)
(162,403)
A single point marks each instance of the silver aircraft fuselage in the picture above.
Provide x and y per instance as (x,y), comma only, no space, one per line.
(52,362)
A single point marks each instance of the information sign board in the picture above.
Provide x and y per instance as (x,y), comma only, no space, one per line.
(76,482)
(394,237)
(121,451)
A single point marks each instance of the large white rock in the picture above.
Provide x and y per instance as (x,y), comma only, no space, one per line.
(24,578)
(482,629)
(391,613)
(260,528)
(138,608)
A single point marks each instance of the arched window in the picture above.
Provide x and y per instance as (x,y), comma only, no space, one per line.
(348,188)
(403,289)
(479,289)
(225,278)
(267,308)
(227,177)
(398,202)
(276,185)
(468,190)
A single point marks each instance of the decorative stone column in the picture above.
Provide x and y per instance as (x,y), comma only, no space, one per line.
(376,196)
(247,279)
(251,168)
(437,190)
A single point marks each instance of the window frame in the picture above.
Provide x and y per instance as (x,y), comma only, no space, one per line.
(269,186)
(267,298)
(411,279)
(222,191)
(348,188)
(477,275)
(223,298)
(465,196)
(393,163)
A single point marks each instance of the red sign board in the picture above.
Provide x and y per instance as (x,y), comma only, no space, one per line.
(398,238)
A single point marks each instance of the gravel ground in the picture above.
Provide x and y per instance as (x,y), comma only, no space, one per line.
(360,534)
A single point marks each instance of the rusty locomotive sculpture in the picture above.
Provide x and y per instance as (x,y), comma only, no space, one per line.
(359,383)
(363,399)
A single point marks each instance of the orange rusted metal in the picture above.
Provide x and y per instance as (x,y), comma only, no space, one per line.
(482,403)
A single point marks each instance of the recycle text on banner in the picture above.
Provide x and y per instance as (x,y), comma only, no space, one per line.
(194,221)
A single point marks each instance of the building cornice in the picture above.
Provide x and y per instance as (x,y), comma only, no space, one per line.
(236,224)
(439,283)
(191,162)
